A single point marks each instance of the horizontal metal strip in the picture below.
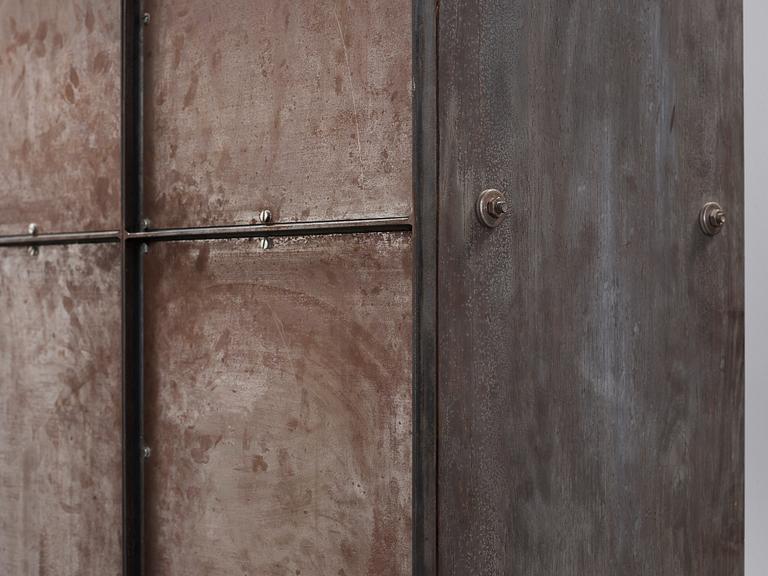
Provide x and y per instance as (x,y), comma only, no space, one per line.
(276,229)
(402,224)
(61,238)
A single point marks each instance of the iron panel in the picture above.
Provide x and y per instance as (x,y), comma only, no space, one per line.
(60,117)
(60,415)
(591,347)
(278,406)
(303,108)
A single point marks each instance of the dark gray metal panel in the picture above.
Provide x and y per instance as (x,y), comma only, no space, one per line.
(278,406)
(591,347)
(425,244)
(300,107)
(60,115)
(60,411)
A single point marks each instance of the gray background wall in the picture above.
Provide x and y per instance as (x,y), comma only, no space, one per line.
(756,142)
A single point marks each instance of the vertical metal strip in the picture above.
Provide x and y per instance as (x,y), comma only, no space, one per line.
(133,459)
(425,187)
(132,286)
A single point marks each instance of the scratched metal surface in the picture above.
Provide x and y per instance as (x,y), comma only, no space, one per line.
(60,416)
(300,107)
(278,406)
(60,115)
(592,347)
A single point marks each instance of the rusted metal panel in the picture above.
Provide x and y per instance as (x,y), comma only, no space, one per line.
(300,107)
(592,346)
(60,115)
(60,456)
(278,406)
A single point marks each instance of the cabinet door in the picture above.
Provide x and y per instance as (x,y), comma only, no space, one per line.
(60,411)
(278,406)
(303,108)
(60,115)
(591,346)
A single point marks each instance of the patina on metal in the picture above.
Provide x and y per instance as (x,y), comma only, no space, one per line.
(278,405)
(60,136)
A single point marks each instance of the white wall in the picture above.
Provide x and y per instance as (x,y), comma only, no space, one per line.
(756,183)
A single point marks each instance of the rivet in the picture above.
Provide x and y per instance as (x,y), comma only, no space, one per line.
(265,243)
(32,229)
(265,216)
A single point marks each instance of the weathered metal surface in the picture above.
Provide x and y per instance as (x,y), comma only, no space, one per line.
(591,346)
(60,115)
(425,245)
(278,406)
(60,457)
(303,108)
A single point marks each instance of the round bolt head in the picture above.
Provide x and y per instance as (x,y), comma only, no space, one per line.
(712,218)
(265,216)
(32,229)
(491,207)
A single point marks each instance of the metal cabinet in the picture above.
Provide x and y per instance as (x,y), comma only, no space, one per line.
(404,288)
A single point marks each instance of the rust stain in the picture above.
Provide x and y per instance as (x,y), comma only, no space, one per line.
(259,464)
(189,97)
(90,19)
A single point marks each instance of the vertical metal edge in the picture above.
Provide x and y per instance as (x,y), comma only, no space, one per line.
(133,462)
(425,190)
(131,288)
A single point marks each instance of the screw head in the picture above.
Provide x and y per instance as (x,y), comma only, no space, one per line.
(146,224)
(144,248)
(33,251)
(146,18)
(147,452)
(32,229)
(265,243)
(265,216)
